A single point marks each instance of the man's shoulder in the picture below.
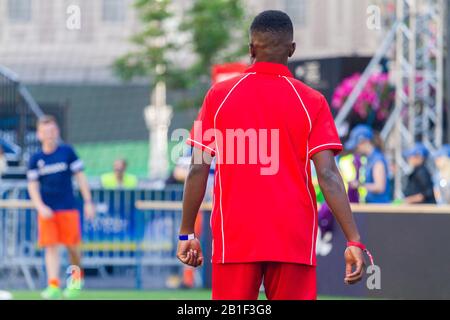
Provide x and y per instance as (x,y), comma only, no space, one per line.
(108,180)
(312,100)
(378,156)
(37,155)
(306,92)
(223,87)
(66,151)
(220,90)
(107,175)
(65,147)
(131,180)
(423,170)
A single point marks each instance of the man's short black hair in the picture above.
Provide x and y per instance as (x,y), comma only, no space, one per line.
(273,21)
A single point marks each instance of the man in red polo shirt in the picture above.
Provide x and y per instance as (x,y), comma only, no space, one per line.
(263,127)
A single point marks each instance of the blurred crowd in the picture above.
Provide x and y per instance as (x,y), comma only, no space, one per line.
(369,176)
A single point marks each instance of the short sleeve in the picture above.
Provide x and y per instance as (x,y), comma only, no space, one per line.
(75,163)
(202,134)
(324,135)
(32,172)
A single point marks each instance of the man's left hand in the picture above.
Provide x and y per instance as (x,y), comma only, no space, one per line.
(89,210)
(353,259)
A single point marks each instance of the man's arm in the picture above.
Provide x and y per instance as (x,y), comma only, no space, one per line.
(416,198)
(379,177)
(35,196)
(189,251)
(34,190)
(83,184)
(332,186)
(424,181)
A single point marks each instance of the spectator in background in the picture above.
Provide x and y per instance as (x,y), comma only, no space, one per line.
(3,162)
(119,178)
(442,177)
(349,165)
(180,171)
(419,188)
(376,180)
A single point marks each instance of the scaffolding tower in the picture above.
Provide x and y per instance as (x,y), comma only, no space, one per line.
(418,38)
(419,81)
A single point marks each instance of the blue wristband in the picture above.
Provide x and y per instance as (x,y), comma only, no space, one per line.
(184,237)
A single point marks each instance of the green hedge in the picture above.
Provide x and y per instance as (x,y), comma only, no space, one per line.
(99,157)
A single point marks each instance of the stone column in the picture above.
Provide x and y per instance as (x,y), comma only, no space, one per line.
(157,117)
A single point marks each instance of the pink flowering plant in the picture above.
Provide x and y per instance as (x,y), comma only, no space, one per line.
(373,104)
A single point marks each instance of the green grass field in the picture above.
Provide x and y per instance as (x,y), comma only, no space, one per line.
(195,294)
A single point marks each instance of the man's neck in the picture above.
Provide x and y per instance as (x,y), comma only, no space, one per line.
(419,165)
(119,177)
(49,147)
(283,61)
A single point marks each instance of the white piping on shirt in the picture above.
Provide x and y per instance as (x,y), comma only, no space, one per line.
(325,144)
(201,144)
(301,101)
(306,170)
(218,162)
(76,165)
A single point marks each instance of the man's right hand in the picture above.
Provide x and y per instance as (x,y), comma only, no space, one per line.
(45,211)
(353,259)
(189,252)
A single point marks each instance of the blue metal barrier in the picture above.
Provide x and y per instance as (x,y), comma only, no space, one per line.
(120,236)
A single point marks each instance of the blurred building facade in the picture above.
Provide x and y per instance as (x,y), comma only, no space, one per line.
(327,28)
(39,41)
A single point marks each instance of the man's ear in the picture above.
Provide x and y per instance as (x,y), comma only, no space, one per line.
(292,49)
(251,50)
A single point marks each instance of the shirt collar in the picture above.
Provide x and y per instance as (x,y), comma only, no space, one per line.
(270,68)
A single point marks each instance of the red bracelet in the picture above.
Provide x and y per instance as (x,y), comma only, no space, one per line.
(362,247)
(356,244)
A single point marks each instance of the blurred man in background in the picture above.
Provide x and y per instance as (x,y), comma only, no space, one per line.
(376,181)
(419,188)
(180,170)
(119,178)
(50,188)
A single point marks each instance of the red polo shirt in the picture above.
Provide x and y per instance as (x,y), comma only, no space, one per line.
(263,127)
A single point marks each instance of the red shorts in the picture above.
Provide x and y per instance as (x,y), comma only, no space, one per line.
(282,281)
(63,228)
